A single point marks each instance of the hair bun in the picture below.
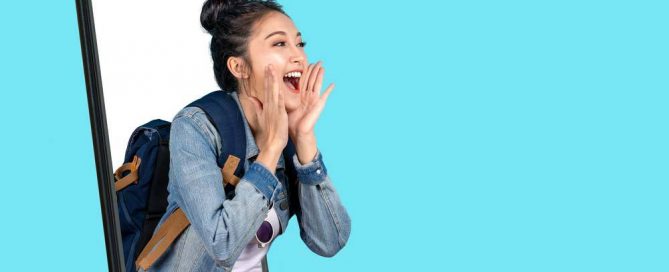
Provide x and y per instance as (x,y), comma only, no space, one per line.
(212,11)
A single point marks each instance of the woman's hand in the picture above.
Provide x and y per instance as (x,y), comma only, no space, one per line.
(301,121)
(271,132)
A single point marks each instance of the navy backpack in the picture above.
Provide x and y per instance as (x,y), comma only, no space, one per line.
(141,182)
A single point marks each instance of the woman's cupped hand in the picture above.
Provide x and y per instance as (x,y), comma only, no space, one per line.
(301,121)
(271,131)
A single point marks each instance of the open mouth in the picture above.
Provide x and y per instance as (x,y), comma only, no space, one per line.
(292,81)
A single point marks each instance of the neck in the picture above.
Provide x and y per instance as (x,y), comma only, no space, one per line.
(249,109)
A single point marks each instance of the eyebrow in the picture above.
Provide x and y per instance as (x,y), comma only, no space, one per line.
(281,32)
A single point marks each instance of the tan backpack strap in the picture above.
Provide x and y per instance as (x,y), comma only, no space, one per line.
(132,177)
(173,226)
(228,171)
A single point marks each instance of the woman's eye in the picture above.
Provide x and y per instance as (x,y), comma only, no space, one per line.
(302,44)
(280,44)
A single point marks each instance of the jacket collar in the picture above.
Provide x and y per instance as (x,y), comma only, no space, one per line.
(251,147)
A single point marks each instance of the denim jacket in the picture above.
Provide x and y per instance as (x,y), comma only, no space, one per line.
(220,228)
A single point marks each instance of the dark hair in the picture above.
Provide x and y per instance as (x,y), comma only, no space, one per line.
(230,23)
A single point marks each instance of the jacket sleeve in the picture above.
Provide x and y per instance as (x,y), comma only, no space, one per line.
(324,222)
(224,226)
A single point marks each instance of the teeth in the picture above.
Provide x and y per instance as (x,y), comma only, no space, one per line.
(293,74)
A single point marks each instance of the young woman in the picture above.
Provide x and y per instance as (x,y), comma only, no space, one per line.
(258,52)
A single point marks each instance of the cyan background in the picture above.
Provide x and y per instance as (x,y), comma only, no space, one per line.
(49,202)
(462,136)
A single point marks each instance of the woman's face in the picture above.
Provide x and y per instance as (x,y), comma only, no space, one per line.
(276,41)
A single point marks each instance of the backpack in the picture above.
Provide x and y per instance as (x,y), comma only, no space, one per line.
(141,182)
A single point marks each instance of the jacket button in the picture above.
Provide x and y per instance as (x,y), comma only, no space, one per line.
(318,171)
(284,205)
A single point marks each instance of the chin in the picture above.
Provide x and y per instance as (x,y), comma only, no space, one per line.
(291,100)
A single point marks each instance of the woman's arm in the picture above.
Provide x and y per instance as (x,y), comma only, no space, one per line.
(224,226)
(324,222)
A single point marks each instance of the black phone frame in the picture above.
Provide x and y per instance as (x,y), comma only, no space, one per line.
(96,110)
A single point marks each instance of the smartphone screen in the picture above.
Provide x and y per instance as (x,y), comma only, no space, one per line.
(150,66)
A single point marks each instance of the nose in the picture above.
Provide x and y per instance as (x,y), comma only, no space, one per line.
(297,57)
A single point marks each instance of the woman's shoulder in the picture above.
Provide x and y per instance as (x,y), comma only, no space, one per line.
(191,121)
(189,112)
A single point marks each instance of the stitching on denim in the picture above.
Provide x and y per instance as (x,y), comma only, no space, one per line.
(206,130)
(266,179)
(304,172)
(237,248)
(209,131)
(179,253)
(335,217)
(306,237)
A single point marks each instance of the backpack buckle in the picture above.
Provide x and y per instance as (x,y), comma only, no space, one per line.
(122,181)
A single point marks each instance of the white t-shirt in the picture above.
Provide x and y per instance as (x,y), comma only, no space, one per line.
(252,254)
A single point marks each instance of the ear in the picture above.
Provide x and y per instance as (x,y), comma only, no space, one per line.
(237,67)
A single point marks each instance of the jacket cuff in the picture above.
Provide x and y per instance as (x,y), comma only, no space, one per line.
(311,173)
(262,179)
